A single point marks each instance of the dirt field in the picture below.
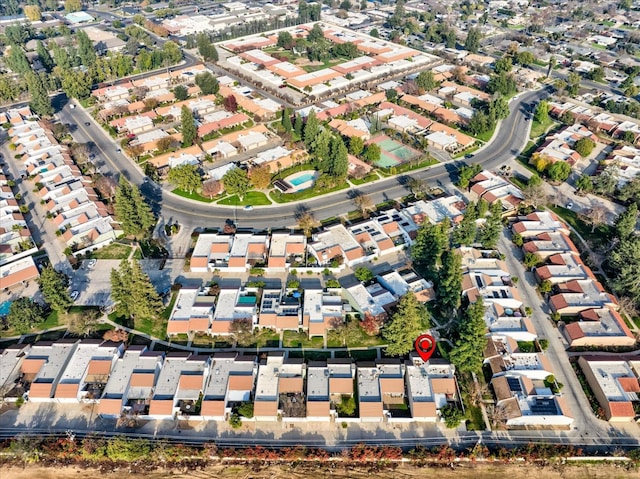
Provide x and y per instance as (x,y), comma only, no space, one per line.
(584,471)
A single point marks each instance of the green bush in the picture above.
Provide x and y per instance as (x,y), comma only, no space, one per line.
(452,416)
(123,449)
(235,421)
(347,406)
(246,409)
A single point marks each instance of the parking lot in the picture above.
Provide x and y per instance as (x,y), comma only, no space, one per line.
(92,280)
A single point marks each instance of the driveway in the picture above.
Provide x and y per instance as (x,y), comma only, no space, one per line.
(580,410)
(42,229)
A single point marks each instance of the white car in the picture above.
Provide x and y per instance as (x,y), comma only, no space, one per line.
(91,263)
(569,205)
(74,295)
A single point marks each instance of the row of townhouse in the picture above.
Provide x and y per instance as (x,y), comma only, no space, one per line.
(333,246)
(625,157)
(589,312)
(313,310)
(437,135)
(157,385)
(129,96)
(378,59)
(492,188)
(517,377)
(627,160)
(16,243)
(560,146)
(614,382)
(68,196)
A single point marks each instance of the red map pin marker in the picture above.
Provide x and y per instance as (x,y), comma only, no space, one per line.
(425,346)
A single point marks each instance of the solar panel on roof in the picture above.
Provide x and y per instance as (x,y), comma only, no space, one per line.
(544,407)
(514,384)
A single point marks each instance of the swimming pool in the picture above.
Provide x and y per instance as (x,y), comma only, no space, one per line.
(298,180)
(4,308)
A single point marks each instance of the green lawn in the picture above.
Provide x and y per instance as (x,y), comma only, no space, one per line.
(279,197)
(601,235)
(311,355)
(358,354)
(325,64)
(409,166)
(253,198)
(294,339)
(361,181)
(356,338)
(486,136)
(539,129)
(113,251)
(192,196)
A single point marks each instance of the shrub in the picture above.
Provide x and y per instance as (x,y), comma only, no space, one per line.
(347,406)
(235,421)
(363,274)
(246,409)
(452,416)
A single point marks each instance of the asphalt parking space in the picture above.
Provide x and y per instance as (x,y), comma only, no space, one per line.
(94,284)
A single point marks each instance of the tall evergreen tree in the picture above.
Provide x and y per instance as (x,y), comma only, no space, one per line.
(428,247)
(189,130)
(405,326)
(298,126)
(133,292)
(339,158)
(54,286)
(311,129)
(17,61)
(40,102)
(132,210)
(449,283)
(86,50)
(626,222)
(321,148)
(44,56)
(286,120)
(465,233)
(490,232)
(467,354)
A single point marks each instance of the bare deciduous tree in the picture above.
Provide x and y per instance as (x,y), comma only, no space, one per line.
(596,216)
(306,221)
(364,203)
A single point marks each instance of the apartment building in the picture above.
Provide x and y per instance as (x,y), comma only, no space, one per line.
(43,367)
(231,381)
(179,386)
(614,383)
(529,403)
(87,371)
(130,385)
(492,188)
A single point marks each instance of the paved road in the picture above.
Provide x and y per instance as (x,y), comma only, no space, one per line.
(584,420)
(507,143)
(42,229)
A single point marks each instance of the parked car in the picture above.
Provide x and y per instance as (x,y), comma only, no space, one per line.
(75,294)
(569,205)
(91,263)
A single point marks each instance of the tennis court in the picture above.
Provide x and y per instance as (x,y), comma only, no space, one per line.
(393,153)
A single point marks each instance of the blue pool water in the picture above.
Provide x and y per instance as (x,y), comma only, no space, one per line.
(302,179)
(4,308)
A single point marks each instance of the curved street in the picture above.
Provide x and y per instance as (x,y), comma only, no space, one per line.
(510,138)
